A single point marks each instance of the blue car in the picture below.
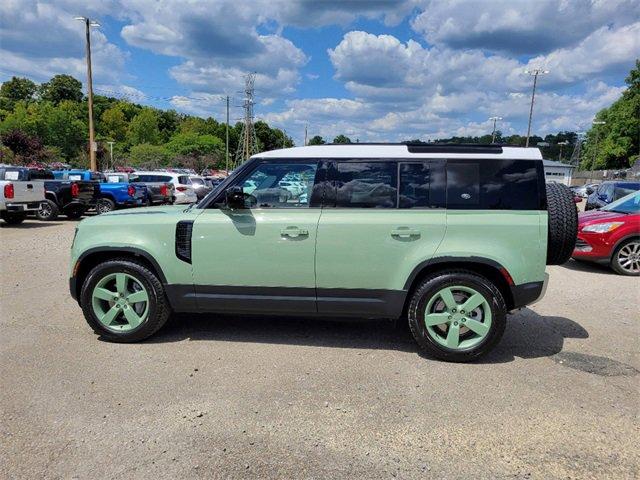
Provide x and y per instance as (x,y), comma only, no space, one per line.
(113,195)
(607,192)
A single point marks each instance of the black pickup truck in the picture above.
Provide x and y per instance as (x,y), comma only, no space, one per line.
(70,197)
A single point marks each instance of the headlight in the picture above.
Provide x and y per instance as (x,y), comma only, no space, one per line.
(602,227)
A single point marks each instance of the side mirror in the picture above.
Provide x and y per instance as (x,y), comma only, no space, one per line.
(235,198)
(589,190)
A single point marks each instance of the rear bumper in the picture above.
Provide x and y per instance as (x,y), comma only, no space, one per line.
(22,206)
(529,293)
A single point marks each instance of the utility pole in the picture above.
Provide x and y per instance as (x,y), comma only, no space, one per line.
(92,144)
(493,134)
(561,144)
(535,72)
(305,135)
(595,152)
(227,139)
(111,154)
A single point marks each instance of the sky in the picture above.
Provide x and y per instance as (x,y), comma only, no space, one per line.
(375,70)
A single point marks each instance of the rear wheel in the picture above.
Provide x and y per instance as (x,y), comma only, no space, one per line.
(626,259)
(123,301)
(457,316)
(48,211)
(105,205)
(13,218)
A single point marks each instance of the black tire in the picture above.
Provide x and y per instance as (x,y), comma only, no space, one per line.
(429,288)
(48,211)
(159,309)
(563,224)
(74,213)
(13,218)
(626,252)
(105,205)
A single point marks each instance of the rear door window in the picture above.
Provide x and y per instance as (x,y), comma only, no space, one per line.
(422,185)
(366,184)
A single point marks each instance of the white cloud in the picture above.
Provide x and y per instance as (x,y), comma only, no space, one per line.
(40,40)
(521,27)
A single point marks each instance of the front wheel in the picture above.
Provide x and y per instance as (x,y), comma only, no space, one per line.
(105,205)
(123,301)
(457,315)
(626,259)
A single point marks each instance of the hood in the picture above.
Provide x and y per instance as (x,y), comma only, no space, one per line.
(163,209)
(599,216)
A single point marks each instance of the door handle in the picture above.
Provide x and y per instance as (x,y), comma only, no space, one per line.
(294,232)
(404,232)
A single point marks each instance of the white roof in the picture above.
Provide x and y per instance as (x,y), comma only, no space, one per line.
(355,150)
(553,163)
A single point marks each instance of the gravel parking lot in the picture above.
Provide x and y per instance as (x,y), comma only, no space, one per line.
(231,397)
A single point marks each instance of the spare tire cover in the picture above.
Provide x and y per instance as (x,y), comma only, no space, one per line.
(563,223)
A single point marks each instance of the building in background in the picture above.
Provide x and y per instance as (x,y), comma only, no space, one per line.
(557,172)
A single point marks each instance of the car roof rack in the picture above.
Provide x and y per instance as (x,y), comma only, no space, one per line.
(415,147)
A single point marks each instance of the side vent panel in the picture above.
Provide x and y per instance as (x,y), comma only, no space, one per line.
(184,229)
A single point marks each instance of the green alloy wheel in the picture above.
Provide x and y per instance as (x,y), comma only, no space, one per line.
(123,300)
(120,302)
(457,315)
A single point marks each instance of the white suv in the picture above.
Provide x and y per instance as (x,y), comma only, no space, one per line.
(184,191)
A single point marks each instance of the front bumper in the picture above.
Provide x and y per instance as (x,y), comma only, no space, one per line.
(23,206)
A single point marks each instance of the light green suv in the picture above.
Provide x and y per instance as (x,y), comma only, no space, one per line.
(450,237)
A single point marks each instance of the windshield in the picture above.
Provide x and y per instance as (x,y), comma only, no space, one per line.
(627,204)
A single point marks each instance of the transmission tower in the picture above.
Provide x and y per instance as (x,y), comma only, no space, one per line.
(248,142)
(575,156)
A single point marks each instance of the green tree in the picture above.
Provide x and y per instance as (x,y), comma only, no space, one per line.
(61,87)
(18,88)
(144,128)
(616,143)
(342,139)
(149,156)
(317,140)
(113,124)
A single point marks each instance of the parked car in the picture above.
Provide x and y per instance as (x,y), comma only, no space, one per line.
(383,231)
(184,192)
(69,197)
(581,191)
(201,186)
(608,192)
(611,235)
(113,194)
(19,194)
(158,193)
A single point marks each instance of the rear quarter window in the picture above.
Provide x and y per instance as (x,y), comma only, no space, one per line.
(184,180)
(494,184)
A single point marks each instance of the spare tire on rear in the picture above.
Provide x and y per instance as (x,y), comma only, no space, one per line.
(563,223)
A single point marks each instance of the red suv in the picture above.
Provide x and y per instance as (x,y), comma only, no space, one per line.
(611,235)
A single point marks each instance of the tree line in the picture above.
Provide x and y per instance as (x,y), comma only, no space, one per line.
(48,123)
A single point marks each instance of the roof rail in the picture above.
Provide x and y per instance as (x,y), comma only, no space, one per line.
(435,147)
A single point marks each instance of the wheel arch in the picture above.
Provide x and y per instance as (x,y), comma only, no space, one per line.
(621,241)
(488,268)
(94,256)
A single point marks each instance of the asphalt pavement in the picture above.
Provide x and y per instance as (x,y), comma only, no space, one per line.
(238,397)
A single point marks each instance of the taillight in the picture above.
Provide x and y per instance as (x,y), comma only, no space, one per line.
(131,191)
(181,189)
(9,192)
(75,190)
(164,191)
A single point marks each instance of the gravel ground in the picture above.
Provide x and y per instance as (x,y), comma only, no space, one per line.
(228,397)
